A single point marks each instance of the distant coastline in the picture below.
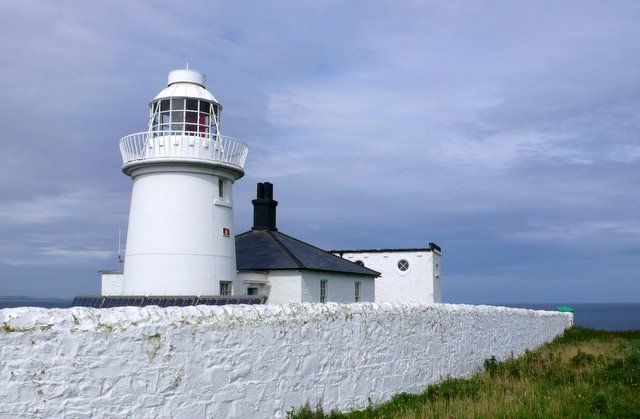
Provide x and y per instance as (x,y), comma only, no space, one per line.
(12,301)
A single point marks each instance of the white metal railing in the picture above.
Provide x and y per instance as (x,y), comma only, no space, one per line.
(183,145)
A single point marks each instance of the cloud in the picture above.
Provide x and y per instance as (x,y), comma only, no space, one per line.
(492,129)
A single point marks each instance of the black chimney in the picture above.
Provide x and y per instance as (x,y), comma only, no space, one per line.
(264,208)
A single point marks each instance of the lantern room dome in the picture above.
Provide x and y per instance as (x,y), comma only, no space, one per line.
(186,83)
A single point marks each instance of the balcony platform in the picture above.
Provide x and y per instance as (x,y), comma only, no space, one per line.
(183,147)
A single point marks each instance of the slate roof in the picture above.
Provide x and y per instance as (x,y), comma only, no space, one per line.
(261,250)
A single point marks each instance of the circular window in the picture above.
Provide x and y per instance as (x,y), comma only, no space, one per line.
(359,262)
(403,265)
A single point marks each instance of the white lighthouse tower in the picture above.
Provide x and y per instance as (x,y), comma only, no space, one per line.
(180,238)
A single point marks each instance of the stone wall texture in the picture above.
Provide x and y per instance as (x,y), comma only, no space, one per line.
(247,361)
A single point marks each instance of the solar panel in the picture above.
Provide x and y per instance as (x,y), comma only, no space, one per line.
(123,301)
(170,301)
(151,301)
(185,301)
(95,302)
(164,301)
(220,300)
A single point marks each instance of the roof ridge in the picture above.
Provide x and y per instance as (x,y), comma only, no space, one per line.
(286,250)
(327,252)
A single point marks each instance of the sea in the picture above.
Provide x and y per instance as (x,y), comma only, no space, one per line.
(603,316)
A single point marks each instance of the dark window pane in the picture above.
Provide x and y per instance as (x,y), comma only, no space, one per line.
(177,116)
(154,107)
(164,105)
(205,107)
(177,104)
(191,128)
(191,117)
(192,104)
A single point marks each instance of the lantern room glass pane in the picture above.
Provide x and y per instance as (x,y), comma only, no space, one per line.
(203,119)
(177,116)
(191,117)
(205,107)
(164,105)
(164,118)
(177,127)
(192,104)
(177,104)
(191,128)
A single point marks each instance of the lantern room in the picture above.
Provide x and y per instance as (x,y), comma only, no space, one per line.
(185,107)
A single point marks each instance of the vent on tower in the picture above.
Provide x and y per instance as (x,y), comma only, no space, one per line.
(264,208)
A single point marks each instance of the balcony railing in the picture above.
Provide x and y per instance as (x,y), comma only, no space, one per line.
(180,145)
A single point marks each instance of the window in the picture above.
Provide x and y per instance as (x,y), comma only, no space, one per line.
(225,287)
(403,265)
(323,291)
(192,104)
(357,291)
(220,188)
(191,116)
(252,291)
(359,263)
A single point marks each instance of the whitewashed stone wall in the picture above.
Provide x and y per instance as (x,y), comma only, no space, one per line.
(246,361)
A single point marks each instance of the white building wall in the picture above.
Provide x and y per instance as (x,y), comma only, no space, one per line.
(436,261)
(256,279)
(225,245)
(247,361)
(111,282)
(419,284)
(294,286)
(284,287)
(340,287)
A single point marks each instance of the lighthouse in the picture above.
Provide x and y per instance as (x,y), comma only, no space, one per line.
(180,238)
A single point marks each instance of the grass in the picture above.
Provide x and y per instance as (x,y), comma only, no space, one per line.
(585,373)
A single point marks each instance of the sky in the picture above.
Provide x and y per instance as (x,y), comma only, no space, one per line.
(506,132)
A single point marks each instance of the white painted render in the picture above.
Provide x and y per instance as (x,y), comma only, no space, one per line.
(284,287)
(175,240)
(296,286)
(247,361)
(111,282)
(419,284)
(340,287)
